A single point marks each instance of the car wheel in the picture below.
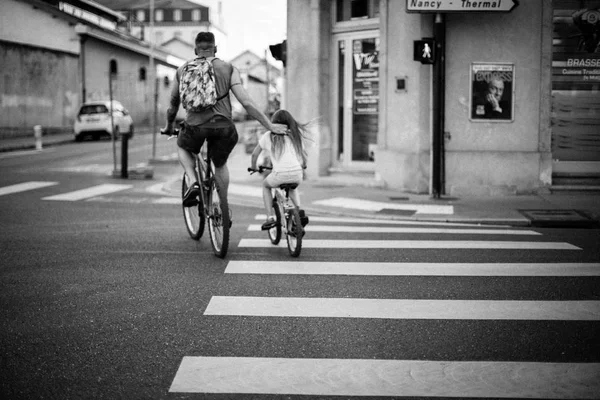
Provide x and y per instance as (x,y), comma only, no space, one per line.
(130,131)
(116,133)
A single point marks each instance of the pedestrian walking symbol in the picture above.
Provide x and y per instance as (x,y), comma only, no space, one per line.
(424,51)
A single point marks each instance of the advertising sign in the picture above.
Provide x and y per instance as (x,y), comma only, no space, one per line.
(576,80)
(492,92)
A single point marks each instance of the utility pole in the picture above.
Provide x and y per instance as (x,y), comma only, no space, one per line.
(439,29)
(152,78)
(268,83)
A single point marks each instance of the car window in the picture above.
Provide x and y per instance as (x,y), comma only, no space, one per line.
(93,109)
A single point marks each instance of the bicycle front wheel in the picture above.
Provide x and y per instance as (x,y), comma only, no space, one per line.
(219,221)
(193,216)
(295,232)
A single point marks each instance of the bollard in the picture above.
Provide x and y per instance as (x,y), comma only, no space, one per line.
(124,155)
(37,134)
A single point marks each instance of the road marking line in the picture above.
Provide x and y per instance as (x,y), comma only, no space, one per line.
(89,192)
(316,218)
(22,187)
(412,269)
(363,377)
(584,310)
(368,205)
(415,244)
(245,190)
(377,229)
(167,200)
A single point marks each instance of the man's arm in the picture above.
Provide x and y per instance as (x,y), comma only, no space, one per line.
(246,101)
(173,104)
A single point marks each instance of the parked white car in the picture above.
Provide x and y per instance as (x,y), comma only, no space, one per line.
(93,119)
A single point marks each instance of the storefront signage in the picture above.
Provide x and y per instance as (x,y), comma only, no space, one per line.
(366,83)
(460,5)
(86,15)
(492,92)
(576,81)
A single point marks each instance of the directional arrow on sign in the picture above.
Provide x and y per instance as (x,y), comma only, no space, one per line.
(435,6)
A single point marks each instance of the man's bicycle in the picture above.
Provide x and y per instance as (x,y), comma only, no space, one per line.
(211,206)
(287,216)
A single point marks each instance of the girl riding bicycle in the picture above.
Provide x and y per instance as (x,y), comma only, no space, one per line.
(288,156)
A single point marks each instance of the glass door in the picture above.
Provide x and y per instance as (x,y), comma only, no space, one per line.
(356,67)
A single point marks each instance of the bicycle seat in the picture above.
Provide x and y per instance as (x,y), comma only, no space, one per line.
(288,186)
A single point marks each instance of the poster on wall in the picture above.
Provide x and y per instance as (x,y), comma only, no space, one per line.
(576,80)
(492,92)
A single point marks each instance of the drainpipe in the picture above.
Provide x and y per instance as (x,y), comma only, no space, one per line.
(82,31)
(82,40)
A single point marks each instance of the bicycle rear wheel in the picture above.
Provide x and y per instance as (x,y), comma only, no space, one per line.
(193,216)
(219,220)
(295,232)
(275,233)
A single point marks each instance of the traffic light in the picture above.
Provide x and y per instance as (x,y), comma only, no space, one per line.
(279,51)
(424,51)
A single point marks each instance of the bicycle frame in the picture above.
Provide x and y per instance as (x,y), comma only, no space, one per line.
(214,208)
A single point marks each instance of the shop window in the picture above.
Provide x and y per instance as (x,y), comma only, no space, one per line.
(113,67)
(159,15)
(140,15)
(142,74)
(350,10)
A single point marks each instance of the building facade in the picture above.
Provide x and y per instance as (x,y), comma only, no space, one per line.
(262,80)
(75,56)
(352,64)
(180,19)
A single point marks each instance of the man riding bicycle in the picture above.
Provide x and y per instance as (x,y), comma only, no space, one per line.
(212,123)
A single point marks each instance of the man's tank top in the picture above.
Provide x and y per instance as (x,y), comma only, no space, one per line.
(223,71)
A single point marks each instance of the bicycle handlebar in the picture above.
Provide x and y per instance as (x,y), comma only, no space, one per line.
(260,169)
(171,135)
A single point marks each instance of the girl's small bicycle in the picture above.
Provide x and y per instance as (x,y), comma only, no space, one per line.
(212,205)
(287,217)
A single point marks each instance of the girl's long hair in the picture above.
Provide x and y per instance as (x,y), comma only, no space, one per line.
(298,133)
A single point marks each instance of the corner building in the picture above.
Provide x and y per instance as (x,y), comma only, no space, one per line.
(351,64)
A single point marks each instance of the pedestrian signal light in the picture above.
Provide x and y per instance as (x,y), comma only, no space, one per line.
(424,51)
(279,51)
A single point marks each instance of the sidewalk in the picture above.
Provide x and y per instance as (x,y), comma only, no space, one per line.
(356,196)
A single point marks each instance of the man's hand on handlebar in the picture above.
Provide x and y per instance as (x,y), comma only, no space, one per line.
(169,131)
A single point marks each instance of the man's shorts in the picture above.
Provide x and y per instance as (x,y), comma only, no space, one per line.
(220,133)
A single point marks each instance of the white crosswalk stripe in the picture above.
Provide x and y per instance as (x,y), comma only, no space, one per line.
(415,244)
(25,186)
(388,229)
(376,377)
(411,269)
(351,377)
(404,309)
(89,192)
(368,205)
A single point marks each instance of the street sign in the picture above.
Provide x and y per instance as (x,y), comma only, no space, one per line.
(440,6)
(424,51)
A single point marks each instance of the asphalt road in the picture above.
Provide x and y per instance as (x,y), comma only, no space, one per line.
(105,296)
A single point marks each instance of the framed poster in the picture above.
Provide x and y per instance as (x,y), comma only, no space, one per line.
(492,92)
